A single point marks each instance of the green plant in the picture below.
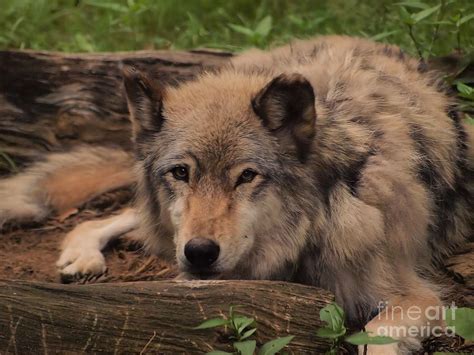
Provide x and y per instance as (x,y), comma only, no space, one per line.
(446,18)
(411,19)
(7,163)
(461,321)
(242,328)
(112,25)
(336,331)
(446,15)
(466,100)
(257,35)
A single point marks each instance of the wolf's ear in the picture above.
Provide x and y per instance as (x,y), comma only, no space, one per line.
(286,106)
(145,101)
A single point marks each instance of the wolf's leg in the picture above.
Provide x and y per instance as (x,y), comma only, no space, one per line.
(81,249)
(387,218)
(63,181)
(408,319)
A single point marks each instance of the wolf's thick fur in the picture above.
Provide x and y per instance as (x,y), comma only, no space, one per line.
(363,172)
(64,181)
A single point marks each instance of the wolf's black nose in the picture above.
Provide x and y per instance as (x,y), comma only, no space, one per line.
(201,252)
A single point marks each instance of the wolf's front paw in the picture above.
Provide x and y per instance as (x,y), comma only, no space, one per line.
(76,263)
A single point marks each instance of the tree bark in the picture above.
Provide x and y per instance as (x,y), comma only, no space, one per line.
(53,101)
(152,317)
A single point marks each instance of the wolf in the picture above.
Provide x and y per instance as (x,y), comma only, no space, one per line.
(335,162)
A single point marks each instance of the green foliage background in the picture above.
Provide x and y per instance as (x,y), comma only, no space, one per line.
(118,25)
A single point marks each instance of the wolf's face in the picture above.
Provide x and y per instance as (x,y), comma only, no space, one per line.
(216,156)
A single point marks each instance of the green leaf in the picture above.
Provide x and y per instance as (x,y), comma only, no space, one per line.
(465,90)
(297,20)
(333,315)
(469,119)
(461,321)
(274,346)
(245,347)
(248,333)
(424,13)
(464,19)
(83,43)
(212,323)
(218,352)
(264,26)
(405,16)
(107,5)
(241,29)
(363,338)
(11,164)
(413,4)
(443,23)
(231,312)
(16,24)
(241,322)
(329,333)
(383,35)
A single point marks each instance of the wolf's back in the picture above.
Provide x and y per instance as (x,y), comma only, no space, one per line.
(402,109)
(63,181)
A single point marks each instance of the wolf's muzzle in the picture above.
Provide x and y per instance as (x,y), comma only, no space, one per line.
(201,252)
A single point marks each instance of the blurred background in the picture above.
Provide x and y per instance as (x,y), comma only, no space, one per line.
(426,28)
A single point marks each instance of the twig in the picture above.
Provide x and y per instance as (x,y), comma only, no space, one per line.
(149,342)
(415,42)
(436,30)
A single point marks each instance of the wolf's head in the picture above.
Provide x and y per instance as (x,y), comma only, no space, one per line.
(221,164)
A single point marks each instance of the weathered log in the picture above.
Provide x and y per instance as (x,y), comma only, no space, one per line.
(52,101)
(152,317)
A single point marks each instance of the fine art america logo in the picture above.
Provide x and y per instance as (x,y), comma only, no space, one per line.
(414,321)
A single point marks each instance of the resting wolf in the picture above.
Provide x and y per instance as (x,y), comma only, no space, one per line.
(335,162)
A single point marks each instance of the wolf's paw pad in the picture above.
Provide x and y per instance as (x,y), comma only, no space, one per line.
(76,263)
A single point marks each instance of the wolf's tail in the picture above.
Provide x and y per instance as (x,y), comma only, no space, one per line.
(63,181)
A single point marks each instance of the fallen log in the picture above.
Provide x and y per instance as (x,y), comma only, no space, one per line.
(53,101)
(152,317)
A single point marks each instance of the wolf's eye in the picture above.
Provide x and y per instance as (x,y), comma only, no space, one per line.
(247,176)
(180,173)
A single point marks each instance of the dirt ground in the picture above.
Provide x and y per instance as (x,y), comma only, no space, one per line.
(29,252)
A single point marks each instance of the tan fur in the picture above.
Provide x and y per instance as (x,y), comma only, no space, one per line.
(371,101)
(82,182)
(409,318)
(64,181)
(364,172)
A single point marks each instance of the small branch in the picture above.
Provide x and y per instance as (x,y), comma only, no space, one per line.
(149,342)
(415,42)
(440,17)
